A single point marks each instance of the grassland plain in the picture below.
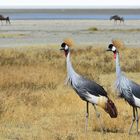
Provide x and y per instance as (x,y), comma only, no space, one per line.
(36,105)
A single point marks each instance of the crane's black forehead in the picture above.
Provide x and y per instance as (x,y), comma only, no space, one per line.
(110,46)
(63,45)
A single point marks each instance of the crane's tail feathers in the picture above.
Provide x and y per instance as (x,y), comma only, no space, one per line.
(111,109)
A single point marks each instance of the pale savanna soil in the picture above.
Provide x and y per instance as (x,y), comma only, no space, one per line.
(46,32)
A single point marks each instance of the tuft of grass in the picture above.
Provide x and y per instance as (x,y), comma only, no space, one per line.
(113,30)
(93,29)
(8,35)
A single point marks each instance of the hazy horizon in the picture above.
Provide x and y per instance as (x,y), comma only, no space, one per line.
(69,13)
(72,7)
(98,10)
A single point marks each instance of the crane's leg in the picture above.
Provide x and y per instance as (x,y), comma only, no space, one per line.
(133,119)
(98,117)
(87,114)
(137,120)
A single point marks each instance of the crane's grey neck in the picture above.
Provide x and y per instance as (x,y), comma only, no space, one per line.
(70,71)
(118,68)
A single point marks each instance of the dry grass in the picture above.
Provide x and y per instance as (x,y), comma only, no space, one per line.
(10,35)
(93,29)
(36,105)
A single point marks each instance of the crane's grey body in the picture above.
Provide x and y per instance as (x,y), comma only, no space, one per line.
(88,90)
(126,88)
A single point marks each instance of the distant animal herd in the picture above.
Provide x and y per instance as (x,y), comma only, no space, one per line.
(114,17)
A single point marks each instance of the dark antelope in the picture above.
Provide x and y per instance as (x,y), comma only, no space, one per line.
(7,19)
(117,18)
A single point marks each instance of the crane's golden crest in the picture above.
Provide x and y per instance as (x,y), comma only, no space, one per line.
(69,42)
(119,44)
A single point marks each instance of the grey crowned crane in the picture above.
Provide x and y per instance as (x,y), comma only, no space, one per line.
(126,88)
(88,90)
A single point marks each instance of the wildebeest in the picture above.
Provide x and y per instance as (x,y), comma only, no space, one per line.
(7,19)
(116,17)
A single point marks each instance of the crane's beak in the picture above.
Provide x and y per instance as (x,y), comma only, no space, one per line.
(108,50)
(61,49)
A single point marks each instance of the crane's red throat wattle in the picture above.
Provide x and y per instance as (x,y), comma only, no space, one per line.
(66,53)
(115,55)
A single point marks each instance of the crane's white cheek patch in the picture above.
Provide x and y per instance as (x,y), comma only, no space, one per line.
(113,48)
(66,47)
(137,101)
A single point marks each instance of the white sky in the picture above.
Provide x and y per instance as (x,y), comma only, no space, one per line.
(70,3)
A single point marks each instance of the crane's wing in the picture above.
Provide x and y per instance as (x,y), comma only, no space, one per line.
(135,89)
(84,85)
(125,89)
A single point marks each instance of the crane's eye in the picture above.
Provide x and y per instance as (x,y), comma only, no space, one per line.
(110,46)
(63,45)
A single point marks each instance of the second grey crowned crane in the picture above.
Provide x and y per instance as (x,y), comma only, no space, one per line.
(88,90)
(127,89)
